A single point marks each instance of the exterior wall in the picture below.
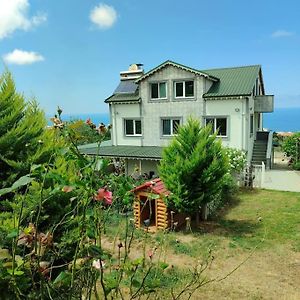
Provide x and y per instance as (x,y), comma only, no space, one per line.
(233,110)
(154,110)
(119,112)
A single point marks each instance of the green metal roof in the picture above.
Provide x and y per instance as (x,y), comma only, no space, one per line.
(123,98)
(227,82)
(134,152)
(238,81)
(177,65)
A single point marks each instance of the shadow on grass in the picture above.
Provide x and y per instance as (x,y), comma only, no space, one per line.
(236,228)
(225,227)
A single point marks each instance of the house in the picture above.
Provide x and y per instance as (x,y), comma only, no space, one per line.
(146,108)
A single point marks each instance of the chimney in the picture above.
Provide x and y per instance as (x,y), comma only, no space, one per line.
(135,71)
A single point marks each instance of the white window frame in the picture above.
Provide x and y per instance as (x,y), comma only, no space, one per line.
(171,125)
(134,127)
(158,92)
(215,124)
(184,94)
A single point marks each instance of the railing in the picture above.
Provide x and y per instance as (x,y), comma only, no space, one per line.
(269,155)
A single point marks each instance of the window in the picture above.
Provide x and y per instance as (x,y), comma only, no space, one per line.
(159,90)
(170,126)
(184,89)
(218,125)
(251,124)
(133,127)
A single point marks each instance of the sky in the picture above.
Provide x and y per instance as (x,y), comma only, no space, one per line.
(70,52)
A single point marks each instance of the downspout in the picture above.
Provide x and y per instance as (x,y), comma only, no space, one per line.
(243,125)
(143,127)
(115,125)
(204,102)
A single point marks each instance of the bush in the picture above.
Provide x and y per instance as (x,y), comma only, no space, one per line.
(237,159)
(291,146)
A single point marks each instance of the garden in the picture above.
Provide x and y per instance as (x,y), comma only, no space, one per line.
(67,228)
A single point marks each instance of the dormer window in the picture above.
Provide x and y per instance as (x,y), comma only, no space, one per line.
(158,90)
(184,89)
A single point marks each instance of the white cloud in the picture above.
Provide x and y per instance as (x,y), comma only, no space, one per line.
(20,57)
(103,15)
(14,15)
(281,33)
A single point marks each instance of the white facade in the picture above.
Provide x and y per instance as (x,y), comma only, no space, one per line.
(141,123)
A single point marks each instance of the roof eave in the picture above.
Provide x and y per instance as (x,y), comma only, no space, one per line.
(225,97)
(124,156)
(180,66)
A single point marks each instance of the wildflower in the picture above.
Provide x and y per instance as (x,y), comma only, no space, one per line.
(150,254)
(104,194)
(97,264)
(67,189)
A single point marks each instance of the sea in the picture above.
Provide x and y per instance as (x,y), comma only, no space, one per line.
(282,119)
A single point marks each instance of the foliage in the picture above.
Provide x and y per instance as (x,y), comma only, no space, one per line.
(83,133)
(193,167)
(291,147)
(121,185)
(21,133)
(237,159)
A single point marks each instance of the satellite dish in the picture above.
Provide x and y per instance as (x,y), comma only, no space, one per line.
(133,67)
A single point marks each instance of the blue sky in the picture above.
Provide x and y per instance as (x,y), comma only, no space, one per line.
(70,52)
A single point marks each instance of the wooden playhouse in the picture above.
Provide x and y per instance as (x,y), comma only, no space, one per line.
(150,210)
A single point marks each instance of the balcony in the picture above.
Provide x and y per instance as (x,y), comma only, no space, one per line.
(264,104)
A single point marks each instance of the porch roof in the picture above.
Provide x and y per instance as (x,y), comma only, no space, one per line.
(133,152)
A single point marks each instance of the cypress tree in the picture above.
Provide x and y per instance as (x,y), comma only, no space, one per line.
(22,129)
(193,167)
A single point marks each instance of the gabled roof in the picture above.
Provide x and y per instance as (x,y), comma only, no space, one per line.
(133,152)
(238,81)
(176,65)
(156,186)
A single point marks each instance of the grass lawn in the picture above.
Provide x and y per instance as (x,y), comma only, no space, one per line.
(260,230)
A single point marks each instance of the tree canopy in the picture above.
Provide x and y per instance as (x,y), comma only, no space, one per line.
(22,129)
(193,167)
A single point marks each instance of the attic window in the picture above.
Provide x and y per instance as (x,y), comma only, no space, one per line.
(184,89)
(158,90)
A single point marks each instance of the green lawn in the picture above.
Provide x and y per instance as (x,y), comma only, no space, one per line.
(259,229)
(259,219)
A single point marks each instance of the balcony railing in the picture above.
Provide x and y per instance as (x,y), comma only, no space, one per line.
(264,103)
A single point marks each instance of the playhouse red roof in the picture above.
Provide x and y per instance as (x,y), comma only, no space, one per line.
(156,186)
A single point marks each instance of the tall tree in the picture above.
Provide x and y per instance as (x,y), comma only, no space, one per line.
(193,167)
(22,129)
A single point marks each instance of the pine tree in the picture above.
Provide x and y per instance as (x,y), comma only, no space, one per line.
(22,129)
(193,167)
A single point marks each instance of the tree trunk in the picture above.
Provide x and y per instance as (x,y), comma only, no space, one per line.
(197,218)
(204,212)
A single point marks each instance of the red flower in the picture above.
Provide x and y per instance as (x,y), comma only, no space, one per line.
(104,194)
